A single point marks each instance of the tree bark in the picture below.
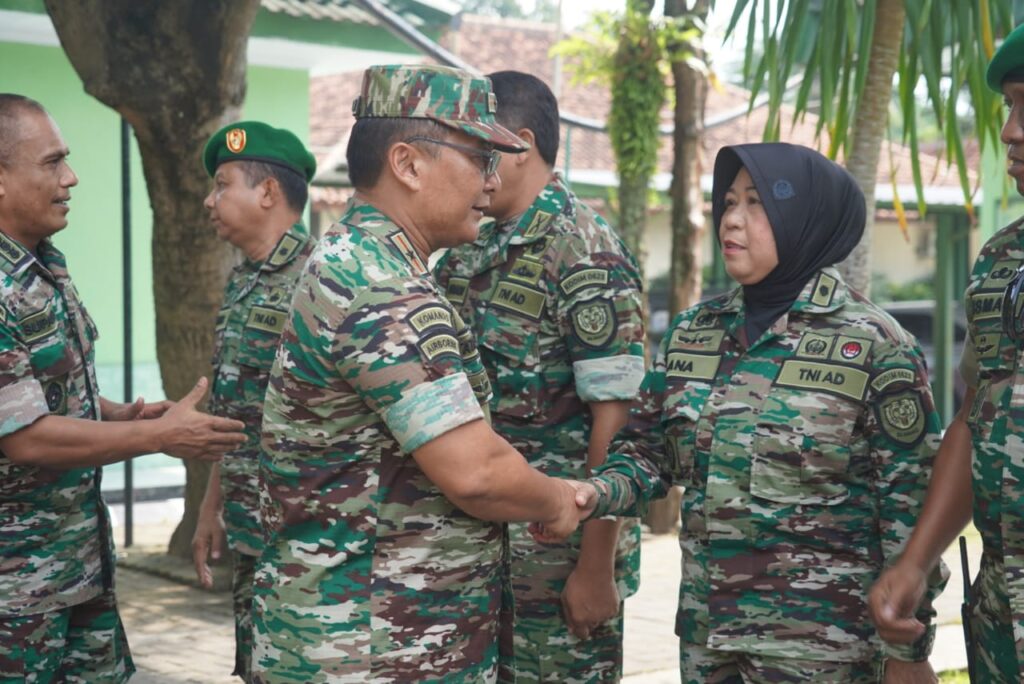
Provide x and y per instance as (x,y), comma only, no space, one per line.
(688,223)
(176,72)
(869,129)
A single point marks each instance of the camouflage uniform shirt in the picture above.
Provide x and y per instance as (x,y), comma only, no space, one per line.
(248,329)
(56,548)
(805,460)
(554,298)
(992,364)
(370,574)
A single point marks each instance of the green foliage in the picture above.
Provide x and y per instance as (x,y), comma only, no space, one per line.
(543,10)
(946,48)
(882,290)
(954,677)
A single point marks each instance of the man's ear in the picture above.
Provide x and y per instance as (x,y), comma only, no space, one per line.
(407,164)
(527,135)
(270,192)
(3,182)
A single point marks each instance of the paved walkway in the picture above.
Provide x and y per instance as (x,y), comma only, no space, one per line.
(182,634)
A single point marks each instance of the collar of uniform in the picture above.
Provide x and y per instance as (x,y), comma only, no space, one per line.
(729,303)
(369,220)
(286,249)
(16,260)
(538,219)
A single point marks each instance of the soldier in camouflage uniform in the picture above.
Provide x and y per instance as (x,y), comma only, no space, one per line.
(58,615)
(797,415)
(981,459)
(260,186)
(379,469)
(554,299)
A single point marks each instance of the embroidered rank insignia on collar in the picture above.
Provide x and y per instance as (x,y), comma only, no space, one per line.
(405,248)
(824,290)
(704,320)
(286,249)
(14,253)
(535,250)
(537,224)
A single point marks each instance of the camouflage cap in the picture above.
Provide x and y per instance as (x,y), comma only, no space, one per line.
(452,97)
(257,141)
(1008,62)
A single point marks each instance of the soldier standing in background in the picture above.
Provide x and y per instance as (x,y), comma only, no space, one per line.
(554,299)
(980,466)
(58,613)
(260,187)
(380,471)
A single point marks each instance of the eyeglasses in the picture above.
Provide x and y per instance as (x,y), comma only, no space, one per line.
(1013,306)
(490,157)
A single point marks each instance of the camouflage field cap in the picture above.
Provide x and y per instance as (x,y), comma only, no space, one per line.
(257,141)
(1008,62)
(452,97)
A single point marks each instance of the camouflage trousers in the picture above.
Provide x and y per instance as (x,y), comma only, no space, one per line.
(702,665)
(543,649)
(83,644)
(995,655)
(244,570)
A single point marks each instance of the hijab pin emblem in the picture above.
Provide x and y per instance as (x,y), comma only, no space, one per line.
(783,190)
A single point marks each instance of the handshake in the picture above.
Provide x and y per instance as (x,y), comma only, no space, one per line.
(577,501)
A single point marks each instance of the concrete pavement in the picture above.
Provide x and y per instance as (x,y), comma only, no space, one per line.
(182,634)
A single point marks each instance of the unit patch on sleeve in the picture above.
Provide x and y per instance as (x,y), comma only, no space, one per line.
(438,345)
(901,417)
(56,397)
(891,377)
(266,319)
(594,322)
(429,316)
(986,345)
(586,277)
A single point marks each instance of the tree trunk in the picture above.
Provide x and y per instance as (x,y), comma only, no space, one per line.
(633,214)
(688,223)
(869,129)
(176,72)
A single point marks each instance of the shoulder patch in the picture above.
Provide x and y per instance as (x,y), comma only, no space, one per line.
(901,416)
(814,345)
(692,365)
(526,270)
(286,249)
(824,290)
(587,277)
(851,350)
(405,248)
(266,319)
(438,345)
(999,276)
(456,290)
(826,377)
(430,315)
(986,345)
(38,325)
(518,299)
(594,322)
(56,397)
(891,377)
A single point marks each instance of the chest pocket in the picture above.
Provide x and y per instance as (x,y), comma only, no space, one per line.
(50,352)
(257,346)
(680,416)
(802,448)
(511,348)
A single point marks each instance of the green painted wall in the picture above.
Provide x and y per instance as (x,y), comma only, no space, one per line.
(92,240)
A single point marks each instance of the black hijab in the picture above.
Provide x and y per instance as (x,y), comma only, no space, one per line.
(816,211)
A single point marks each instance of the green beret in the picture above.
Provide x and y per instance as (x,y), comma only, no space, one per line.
(256,141)
(1008,58)
(451,97)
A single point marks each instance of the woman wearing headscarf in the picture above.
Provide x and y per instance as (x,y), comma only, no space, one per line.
(798,417)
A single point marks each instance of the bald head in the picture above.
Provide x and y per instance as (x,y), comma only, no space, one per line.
(12,109)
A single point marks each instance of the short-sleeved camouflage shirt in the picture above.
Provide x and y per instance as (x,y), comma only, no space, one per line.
(369,571)
(56,546)
(992,364)
(554,298)
(249,327)
(805,461)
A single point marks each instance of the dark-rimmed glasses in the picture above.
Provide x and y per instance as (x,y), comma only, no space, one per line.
(1013,306)
(491,157)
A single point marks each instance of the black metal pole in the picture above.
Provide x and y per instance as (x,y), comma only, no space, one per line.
(126,298)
